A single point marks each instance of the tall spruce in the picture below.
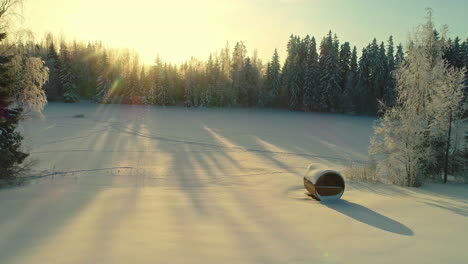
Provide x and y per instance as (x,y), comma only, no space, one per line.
(345,67)
(329,82)
(311,95)
(11,155)
(66,75)
(272,84)
(389,93)
(238,59)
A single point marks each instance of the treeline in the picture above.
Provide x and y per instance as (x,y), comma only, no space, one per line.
(329,76)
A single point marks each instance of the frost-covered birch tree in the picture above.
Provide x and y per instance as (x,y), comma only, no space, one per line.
(410,134)
(30,75)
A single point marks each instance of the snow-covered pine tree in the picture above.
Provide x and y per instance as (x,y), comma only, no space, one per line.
(53,88)
(264,96)
(453,53)
(429,95)
(227,94)
(383,73)
(67,78)
(293,72)
(345,60)
(104,81)
(145,82)
(310,98)
(272,83)
(465,65)
(376,75)
(250,82)
(329,72)
(275,77)
(210,79)
(133,89)
(11,156)
(238,60)
(163,94)
(389,90)
(399,56)
(345,66)
(350,89)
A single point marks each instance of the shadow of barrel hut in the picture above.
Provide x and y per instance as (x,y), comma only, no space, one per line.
(324,184)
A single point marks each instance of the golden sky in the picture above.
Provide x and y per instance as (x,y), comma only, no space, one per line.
(179,29)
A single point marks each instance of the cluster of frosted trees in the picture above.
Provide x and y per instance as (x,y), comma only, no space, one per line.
(415,138)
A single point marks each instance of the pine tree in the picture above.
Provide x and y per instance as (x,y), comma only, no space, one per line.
(330,72)
(11,156)
(249,85)
(67,78)
(53,87)
(399,56)
(363,95)
(344,61)
(272,84)
(311,96)
(389,93)
(227,94)
(382,73)
(163,93)
(104,81)
(350,91)
(238,60)
(292,74)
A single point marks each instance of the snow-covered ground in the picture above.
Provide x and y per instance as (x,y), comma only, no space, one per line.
(135,184)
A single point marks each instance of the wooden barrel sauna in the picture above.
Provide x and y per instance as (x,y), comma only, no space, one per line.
(324,184)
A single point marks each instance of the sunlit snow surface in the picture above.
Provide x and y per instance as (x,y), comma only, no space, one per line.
(135,184)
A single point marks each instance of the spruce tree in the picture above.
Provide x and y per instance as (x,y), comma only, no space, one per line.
(292,73)
(53,87)
(329,72)
(249,85)
(238,60)
(11,156)
(389,93)
(344,61)
(350,92)
(383,74)
(66,75)
(363,96)
(272,83)
(311,96)
(399,56)
(104,81)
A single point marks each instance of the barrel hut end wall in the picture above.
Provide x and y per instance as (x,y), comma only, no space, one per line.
(324,184)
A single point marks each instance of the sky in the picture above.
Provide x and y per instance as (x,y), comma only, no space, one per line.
(179,29)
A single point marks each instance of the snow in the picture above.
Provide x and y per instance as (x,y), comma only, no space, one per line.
(136,184)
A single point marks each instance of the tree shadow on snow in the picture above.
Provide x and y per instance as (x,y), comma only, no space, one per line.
(369,217)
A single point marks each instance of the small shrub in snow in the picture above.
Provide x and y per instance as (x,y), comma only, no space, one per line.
(362,172)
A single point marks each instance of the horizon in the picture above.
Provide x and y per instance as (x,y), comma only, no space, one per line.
(208,25)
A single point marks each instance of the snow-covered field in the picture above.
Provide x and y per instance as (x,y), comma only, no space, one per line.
(135,184)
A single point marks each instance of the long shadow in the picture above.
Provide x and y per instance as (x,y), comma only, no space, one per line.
(369,217)
(64,203)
